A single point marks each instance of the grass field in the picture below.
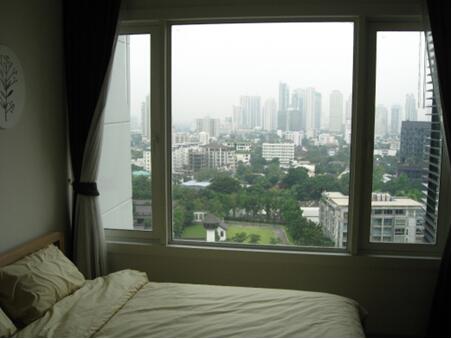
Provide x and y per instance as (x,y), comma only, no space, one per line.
(266,232)
(194,232)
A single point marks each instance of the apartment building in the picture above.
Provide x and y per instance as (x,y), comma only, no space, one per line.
(393,219)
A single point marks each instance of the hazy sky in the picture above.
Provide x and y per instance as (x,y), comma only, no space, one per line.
(212,65)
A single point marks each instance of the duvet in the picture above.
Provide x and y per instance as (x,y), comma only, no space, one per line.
(126,304)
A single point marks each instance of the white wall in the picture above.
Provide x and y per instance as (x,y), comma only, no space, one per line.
(115,183)
(33,157)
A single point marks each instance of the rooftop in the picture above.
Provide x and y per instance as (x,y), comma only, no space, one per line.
(341,200)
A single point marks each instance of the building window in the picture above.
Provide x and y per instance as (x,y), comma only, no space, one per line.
(125,165)
(405,179)
(262,142)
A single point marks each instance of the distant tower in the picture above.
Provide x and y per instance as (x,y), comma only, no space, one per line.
(312,110)
(336,111)
(269,115)
(410,107)
(381,121)
(283,106)
(251,111)
(395,119)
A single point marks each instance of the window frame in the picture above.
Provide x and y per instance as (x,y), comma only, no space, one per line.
(154,30)
(253,247)
(361,147)
(366,246)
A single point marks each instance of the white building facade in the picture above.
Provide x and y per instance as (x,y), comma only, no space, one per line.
(284,152)
(393,219)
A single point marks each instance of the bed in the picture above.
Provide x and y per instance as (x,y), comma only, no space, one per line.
(127,304)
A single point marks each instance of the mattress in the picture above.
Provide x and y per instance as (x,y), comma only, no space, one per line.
(126,304)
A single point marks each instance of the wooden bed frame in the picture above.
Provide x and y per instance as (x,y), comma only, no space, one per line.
(56,238)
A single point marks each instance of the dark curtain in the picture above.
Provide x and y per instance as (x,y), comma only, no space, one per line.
(89,38)
(439,25)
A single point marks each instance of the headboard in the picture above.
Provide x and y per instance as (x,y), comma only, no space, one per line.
(56,238)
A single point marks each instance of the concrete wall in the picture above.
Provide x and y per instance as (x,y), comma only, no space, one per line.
(33,156)
(115,183)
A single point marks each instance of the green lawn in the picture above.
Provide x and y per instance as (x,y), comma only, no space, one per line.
(194,232)
(266,232)
(197,231)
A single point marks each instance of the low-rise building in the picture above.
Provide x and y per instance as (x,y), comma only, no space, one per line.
(284,152)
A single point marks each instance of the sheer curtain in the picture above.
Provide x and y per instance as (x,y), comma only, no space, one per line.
(89,42)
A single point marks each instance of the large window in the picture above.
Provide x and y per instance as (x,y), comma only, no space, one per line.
(252,145)
(407,146)
(261,132)
(125,166)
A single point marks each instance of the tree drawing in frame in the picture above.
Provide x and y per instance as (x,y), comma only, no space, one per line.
(8,78)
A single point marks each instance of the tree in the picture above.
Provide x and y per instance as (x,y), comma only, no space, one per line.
(224,184)
(256,160)
(141,187)
(206,174)
(254,238)
(295,176)
(239,237)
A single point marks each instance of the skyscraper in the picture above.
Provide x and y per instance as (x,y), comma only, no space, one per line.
(269,115)
(312,108)
(211,126)
(381,121)
(283,106)
(251,111)
(413,139)
(236,118)
(336,111)
(283,103)
(410,107)
(395,119)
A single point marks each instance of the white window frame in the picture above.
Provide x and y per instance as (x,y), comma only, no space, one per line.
(363,97)
(156,94)
(252,247)
(367,247)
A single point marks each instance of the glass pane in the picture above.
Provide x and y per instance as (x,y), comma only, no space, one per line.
(125,166)
(406,146)
(261,116)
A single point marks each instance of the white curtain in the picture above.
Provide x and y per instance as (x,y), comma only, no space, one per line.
(89,242)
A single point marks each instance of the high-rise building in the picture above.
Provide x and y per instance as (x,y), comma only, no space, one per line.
(211,126)
(410,107)
(146,118)
(381,121)
(283,106)
(312,110)
(269,115)
(236,118)
(413,139)
(395,119)
(393,219)
(336,111)
(250,112)
(283,103)
(295,122)
(284,152)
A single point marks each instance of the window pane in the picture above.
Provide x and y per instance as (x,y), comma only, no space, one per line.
(407,140)
(125,166)
(261,118)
